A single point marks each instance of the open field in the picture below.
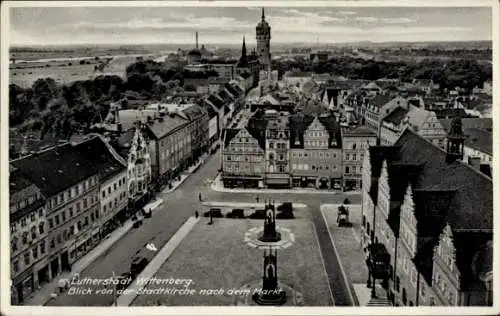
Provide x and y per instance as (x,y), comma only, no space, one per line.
(215,257)
(67,70)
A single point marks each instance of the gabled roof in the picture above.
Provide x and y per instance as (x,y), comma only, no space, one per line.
(211,112)
(216,101)
(232,90)
(99,154)
(372,85)
(257,128)
(298,125)
(444,193)
(193,111)
(228,134)
(479,139)
(380,100)
(472,207)
(225,96)
(164,126)
(396,116)
(56,169)
(450,113)
(333,128)
(358,130)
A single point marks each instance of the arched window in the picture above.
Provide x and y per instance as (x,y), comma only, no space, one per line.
(41,227)
(33,232)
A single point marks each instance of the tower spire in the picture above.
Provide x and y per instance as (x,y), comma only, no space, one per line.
(263,15)
(196,40)
(244,49)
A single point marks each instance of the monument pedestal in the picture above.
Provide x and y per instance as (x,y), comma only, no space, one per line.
(274,299)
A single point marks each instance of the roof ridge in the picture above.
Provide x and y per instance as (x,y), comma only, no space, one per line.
(436,147)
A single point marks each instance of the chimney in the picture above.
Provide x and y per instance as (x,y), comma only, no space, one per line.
(475,162)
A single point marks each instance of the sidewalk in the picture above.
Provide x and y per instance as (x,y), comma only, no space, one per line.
(347,243)
(157,262)
(42,296)
(185,174)
(217,186)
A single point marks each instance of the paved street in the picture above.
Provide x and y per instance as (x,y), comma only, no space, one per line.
(166,220)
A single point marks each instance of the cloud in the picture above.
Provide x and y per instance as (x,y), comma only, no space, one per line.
(372,19)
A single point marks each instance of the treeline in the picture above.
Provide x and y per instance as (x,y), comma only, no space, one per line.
(448,74)
(62,110)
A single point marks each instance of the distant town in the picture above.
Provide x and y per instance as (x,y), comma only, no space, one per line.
(356,174)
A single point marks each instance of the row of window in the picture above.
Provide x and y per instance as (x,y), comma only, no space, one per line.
(450,294)
(30,218)
(116,185)
(236,168)
(25,237)
(29,256)
(280,145)
(114,203)
(313,167)
(354,157)
(62,217)
(75,191)
(314,154)
(251,158)
(27,201)
(353,169)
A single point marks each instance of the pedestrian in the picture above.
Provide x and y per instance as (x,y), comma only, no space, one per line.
(196,214)
(199,196)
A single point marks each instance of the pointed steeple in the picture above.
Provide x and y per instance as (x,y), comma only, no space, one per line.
(263,15)
(244,49)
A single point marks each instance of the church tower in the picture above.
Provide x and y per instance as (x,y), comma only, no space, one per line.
(263,34)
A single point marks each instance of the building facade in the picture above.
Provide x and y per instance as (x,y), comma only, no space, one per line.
(243,162)
(70,184)
(316,151)
(355,141)
(28,237)
(277,149)
(417,204)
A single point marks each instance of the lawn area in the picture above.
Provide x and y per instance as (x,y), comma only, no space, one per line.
(347,241)
(216,257)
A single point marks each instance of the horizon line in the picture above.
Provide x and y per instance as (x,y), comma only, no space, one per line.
(279,43)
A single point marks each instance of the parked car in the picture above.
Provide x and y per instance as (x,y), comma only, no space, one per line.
(285,207)
(137,265)
(216,212)
(236,213)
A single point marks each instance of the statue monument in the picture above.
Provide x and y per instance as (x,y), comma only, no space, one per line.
(270,232)
(270,294)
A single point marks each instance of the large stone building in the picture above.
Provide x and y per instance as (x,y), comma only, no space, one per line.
(316,151)
(28,236)
(70,184)
(243,157)
(177,135)
(263,36)
(434,216)
(423,122)
(355,141)
(286,150)
(113,180)
(277,149)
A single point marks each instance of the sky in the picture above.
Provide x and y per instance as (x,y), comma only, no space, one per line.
(227,25)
